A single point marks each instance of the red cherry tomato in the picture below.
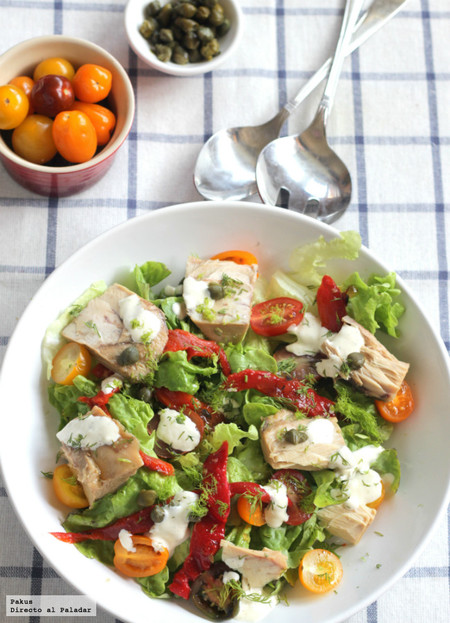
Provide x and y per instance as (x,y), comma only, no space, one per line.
(51,95)
(92,83)
(56,66)
(275,316)
(14,106)
(331,304)
(33,139)
(74,136)
(102,119)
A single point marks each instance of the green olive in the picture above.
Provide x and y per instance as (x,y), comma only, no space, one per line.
(295,436)
(355,361)
(147,497)
(128,356)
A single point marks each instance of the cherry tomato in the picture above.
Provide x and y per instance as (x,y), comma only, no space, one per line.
(26,84)
(102,119)
(399,408)
(70,361)
(376,503)
(56,66)
(51,95)
(33,139)
(144,561)
(275,316)
(239,257)
(92,83)
(14,106)
(297,490)
(67,489)
(74,136)
(331,304)
(251,510)
(320,571)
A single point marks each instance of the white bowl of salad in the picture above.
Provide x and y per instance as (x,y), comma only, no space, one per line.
(242,416)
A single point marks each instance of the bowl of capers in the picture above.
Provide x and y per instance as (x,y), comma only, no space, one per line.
(183,37)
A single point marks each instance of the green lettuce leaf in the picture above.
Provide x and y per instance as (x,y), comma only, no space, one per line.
(256,412)
(231,433)
(237,471)
(53,339)
(102,551)
(176,373)
(247,358)
(155,585)
(134,415)
(388,466)
(172,320)
(65,398)
(326,482)
(148,275)
(250,454)
(373,304)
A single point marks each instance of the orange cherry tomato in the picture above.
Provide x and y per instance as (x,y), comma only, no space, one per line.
(251,513)
(33,140)
(399,408)
(92,83)
(67,489)
(239,257)
(74,136)
(26,84)
(14,106)
(143,562)
(56,66)
(70,361)
(101,118)
(320,571)
(376,503)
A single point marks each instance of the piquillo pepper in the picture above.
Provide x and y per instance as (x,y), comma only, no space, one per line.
(157,465)
(183,401)
(331,304)
(300,396)
(196,347)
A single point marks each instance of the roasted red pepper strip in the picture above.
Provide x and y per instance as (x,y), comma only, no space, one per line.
(331,304)
(249,488)
(182,400)
(157,465)
(99,400)
(196,347)
(210,530)
(303,398)
(101,372)
(137,523)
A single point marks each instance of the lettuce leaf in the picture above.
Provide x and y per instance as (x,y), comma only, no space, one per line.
(53,340)
(388,466)
(148,275)
(65,398)
(155,585)
(172,320)
(252,457)
(373,304)
(326,482)
(231,433)
(247,358)
(134,415)
(176,373)
(308,262)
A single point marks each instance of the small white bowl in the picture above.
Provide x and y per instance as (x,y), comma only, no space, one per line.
(134,16)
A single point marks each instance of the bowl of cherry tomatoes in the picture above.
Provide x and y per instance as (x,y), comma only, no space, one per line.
(66,106)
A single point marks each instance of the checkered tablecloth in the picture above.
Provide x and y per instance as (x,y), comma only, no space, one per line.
(390,124)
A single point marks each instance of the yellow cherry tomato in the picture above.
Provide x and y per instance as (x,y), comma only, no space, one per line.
(70,361)
(67,489)
(33,140)
(144,561)
(320,571)
(14,106)
(56,66)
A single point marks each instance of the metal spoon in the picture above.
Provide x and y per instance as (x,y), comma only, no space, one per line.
(302,172)
(225,167)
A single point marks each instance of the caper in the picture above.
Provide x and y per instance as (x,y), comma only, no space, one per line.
(148,27)
(217,15)
(163,52)
(128,356)
(165,35)
(185,24)
(186,9)
(157,514)
(210,49)
(209,3)
(145,394)
(164,16)
(205,34)
(191,41)
(223,28)
(202,14)
(146,497)
(195,56)
(355,361)
(152,9)
(216,291)
(295,436)
(180,55)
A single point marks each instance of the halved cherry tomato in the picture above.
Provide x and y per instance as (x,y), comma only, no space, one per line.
(275,316)
(251,510)
(56,66)
(320,571)
(297,489)
(74,136)
(239,257)
(376,503)
(92,83)
(70,361)
(143,562)
(399,408)
(33,139)
(331,304)
(102,119)
(67,489)
(26,84)
(14,106)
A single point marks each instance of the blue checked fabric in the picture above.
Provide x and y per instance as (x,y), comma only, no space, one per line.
(390,124)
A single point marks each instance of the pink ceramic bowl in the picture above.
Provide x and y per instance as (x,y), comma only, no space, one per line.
(67,180)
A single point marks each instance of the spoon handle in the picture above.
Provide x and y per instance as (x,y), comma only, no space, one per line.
(376,16)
